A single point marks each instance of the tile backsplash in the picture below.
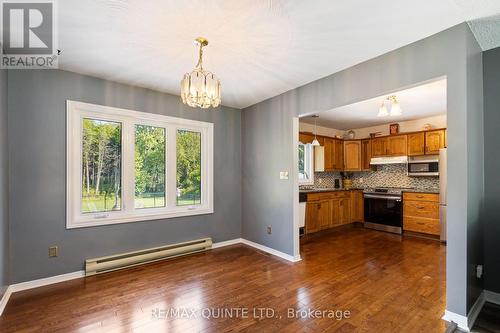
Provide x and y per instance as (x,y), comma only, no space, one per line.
(390,175)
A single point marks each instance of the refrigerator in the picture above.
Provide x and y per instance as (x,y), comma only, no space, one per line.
(442,192)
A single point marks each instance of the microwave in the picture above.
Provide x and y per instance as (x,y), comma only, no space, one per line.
(421,166)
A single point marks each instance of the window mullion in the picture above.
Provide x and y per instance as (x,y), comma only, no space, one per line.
(128,167)
(171,155)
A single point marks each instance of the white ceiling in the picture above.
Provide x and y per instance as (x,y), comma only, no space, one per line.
(418,102)
(258,48)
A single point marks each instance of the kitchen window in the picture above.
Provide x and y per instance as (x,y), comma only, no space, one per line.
(306,171)
(129,166)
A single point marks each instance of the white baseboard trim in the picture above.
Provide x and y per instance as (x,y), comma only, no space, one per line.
(46,281)
(492,297)
(227,243)
(5,299)
(257,246)
(272,251)
(463,322)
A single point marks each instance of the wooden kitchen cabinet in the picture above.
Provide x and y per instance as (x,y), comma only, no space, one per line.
(352,155)
(338,155)
(421,213)
(416,144)
(336,219)
(345,210)
(329,154)
(317,215)
(435,140)
(366,154)
(357,206)
(396,145)
(379,147)
(306,138)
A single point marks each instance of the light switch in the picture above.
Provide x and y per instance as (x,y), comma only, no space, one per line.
(283,174)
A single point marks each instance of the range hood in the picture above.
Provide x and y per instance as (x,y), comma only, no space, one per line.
(389,160)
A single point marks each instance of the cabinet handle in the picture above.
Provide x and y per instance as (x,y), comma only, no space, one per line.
(420,196)
(420,207)
(421,223)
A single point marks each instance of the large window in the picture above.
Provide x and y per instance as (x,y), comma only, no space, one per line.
(306,171)
(127,166)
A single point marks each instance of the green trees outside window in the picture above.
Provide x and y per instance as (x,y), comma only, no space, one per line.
(149,167)
(188,168)
(101,169)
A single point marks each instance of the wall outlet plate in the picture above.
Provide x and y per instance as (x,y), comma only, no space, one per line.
(53,251)
(283,174)
(479,271)
(269,230)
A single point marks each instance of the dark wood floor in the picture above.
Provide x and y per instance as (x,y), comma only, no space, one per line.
(488,320)
(389,284)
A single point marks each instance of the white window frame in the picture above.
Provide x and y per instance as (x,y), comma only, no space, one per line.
(77,111)
(308,163)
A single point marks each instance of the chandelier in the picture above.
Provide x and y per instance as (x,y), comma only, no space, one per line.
(200,88)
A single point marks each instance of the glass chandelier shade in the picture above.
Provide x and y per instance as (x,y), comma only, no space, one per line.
(201,88)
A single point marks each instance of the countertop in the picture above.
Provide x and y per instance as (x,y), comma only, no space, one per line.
(319,190)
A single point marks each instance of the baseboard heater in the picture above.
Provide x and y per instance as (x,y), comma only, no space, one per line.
(129,259)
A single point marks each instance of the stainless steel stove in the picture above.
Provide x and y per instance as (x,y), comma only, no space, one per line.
(384,209)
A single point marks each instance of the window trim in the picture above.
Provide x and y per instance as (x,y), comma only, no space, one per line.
(76,111)
(309,161)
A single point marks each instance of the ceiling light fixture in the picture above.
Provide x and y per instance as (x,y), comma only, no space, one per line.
(200,88)
(315,141)
(395,107)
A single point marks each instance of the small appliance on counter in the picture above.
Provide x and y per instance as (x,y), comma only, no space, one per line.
(336,183)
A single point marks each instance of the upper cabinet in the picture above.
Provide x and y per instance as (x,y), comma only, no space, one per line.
(379,147)
(396,145)
(352,155)
(366,154)
(329,154)
(435,140)
(306,138)
(416,144)
(338,155)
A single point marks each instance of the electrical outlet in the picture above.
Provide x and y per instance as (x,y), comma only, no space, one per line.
(479,271)
(53,251)
(320,180)
(361,180)
(269,230)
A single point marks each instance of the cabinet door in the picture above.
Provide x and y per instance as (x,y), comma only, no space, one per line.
(416,144)
(312,216)
(352,155)
(435,140)
(379,147)
(357,206)
(329,154)
(345,210)
(366,154)
(397,145)
(306,138)
(339,155)
(335,210)
(325,217)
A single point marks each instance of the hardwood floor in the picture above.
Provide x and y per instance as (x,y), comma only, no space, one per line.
(386,282)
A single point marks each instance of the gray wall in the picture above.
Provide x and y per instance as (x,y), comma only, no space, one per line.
(37,146)
(491,63)
(267,131)
(4,187)
(475,167)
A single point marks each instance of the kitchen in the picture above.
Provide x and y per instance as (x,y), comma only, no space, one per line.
(380,164)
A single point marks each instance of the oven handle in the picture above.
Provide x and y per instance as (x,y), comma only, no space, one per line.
(374,196)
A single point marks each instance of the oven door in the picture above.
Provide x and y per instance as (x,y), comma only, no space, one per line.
(385,211)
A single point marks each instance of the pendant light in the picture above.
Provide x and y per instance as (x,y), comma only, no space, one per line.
(200,88)
(315,142)
(382,111)
(395,107)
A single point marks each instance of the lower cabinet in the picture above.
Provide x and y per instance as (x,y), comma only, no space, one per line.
(330,209)
(421,213)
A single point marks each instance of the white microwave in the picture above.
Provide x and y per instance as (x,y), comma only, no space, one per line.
(422,166)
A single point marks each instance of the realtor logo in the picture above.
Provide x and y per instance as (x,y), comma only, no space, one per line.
(28,35)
